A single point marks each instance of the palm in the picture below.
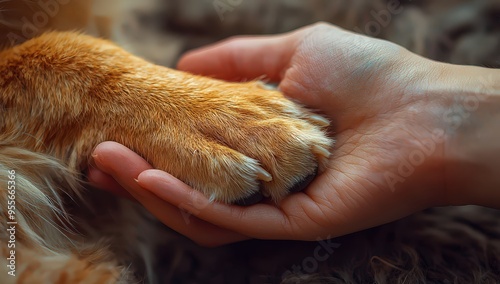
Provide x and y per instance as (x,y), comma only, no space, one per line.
(369,178)
(383,166)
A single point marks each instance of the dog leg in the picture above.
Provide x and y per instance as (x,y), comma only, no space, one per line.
(67,92)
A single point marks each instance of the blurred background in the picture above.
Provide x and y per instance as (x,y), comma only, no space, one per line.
(456,31)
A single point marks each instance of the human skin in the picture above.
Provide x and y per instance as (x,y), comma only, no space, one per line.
(407,131)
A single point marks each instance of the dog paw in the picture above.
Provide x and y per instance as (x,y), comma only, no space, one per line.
(240,142)
(235,142)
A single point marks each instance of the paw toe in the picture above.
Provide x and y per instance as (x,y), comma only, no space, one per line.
(250,200)
(304,183)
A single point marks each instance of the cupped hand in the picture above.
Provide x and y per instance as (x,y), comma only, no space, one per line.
(388,158)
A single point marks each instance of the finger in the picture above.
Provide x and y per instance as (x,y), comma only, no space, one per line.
(103,181)
(112,159)
(185,223)
(243,58)
(124,166)
(257,221)
(117,160)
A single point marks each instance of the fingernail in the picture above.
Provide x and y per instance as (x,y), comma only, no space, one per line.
(92,161)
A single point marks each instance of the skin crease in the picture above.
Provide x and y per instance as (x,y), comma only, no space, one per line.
(378,97)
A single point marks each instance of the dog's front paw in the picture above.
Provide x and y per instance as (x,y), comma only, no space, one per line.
(241,141)
(234,142)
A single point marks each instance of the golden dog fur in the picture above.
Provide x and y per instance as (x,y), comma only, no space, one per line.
(62,93)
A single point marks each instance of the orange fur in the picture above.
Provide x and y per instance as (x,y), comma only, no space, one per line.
(73,91)
(62,93)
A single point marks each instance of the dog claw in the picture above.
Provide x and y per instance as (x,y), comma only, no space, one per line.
(320,151)
(212,198)
(265,86)
(264,175)
(319,120)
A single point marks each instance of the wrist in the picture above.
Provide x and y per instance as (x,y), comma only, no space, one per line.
(472,135)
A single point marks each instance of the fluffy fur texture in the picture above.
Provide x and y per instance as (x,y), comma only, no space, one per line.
(63,93)
(67,233)
(68,92)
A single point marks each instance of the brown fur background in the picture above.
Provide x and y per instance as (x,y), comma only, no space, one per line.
(441,245)
(456,31)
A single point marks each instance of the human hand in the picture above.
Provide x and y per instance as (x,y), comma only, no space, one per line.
(388,159)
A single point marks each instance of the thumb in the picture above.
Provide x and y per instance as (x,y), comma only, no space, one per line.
(243,58)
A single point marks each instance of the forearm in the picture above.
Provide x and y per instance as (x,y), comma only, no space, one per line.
(472,141)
